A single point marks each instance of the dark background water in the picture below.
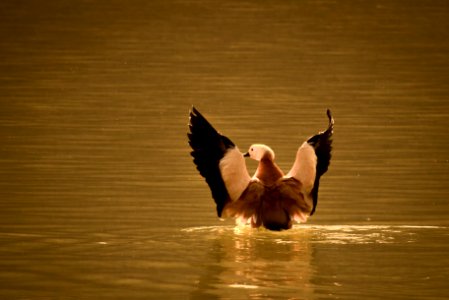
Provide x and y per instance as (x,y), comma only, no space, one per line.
(98,194)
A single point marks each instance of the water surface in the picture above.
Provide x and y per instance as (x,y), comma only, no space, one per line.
(99,198)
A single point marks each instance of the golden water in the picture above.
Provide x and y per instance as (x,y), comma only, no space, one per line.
(99,198)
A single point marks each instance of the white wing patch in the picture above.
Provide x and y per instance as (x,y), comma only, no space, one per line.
(234,173)
(304,168)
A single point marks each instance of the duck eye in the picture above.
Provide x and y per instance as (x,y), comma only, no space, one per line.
(252,149)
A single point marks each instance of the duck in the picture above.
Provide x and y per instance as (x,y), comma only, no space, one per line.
(270,198)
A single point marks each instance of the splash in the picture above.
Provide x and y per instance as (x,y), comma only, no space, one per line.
(325,234)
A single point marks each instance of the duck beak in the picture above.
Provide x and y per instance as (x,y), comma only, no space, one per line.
(246,154)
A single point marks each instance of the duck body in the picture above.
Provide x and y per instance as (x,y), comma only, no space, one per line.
(273,207)
(270,198)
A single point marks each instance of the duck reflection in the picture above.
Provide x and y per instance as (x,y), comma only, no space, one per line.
(254,264)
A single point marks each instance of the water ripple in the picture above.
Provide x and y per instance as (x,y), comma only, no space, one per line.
(327,234)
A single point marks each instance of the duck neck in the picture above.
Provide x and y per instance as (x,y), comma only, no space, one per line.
(268,172)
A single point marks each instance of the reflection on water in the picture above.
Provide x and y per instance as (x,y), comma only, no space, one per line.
(260,264)
(254,264)
(224,262)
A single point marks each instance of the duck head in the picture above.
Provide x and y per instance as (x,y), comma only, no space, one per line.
(259,152)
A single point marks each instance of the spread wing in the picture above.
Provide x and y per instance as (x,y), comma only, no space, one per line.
(218,160)
(312,161)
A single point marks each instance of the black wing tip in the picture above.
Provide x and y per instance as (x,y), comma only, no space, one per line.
(195,118)
(329,115)
(220,210)
(327,134)
(193,113)
(331,119)
(193,110)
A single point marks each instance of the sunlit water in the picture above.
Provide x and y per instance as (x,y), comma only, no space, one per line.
(99,198)
(228,262)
